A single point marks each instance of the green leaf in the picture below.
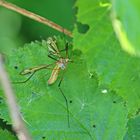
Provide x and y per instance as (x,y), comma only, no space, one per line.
(102,51)
(5,135)
(126,18)
(133,132)
(96,112)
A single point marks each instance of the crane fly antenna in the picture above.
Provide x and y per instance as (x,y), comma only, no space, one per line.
(67,106)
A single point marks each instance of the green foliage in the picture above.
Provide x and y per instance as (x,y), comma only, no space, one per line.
(126,18)
(104,55)
(5,135)
(133,129)
(101,85)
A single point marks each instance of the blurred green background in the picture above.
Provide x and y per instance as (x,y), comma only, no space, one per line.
(15,29)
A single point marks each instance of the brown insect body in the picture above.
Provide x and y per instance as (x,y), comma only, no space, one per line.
(61,64)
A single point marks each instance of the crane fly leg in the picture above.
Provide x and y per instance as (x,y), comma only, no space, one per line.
(59,86)
(49,55)
(32,71)
(25,80)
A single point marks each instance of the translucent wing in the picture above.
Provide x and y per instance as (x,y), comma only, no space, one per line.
(52,47)
(54,75)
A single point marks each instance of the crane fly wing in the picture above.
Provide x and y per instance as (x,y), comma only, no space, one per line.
(54,75)
(52,47)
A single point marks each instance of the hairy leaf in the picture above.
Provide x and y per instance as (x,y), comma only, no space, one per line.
(96,112)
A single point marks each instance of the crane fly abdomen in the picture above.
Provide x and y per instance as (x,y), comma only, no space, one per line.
(54,75)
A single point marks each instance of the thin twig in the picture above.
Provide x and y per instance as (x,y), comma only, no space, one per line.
(35,17)
(18,124)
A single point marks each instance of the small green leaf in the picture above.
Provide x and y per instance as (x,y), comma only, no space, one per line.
(126,18)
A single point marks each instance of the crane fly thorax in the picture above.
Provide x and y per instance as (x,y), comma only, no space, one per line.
(62,63)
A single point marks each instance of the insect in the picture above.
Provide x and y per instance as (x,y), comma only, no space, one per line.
(61,63)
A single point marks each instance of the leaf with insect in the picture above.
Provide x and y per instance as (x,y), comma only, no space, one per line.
(43,107)
(101,85)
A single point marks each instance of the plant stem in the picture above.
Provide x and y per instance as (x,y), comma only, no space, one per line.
(35,17)
(18,124)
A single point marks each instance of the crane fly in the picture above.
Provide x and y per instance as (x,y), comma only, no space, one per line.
(60,64)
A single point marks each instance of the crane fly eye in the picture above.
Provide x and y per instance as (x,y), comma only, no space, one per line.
(62,66)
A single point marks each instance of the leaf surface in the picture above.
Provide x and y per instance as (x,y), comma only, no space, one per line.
(113,66)
(94,108)
(133,132)
(126,18)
